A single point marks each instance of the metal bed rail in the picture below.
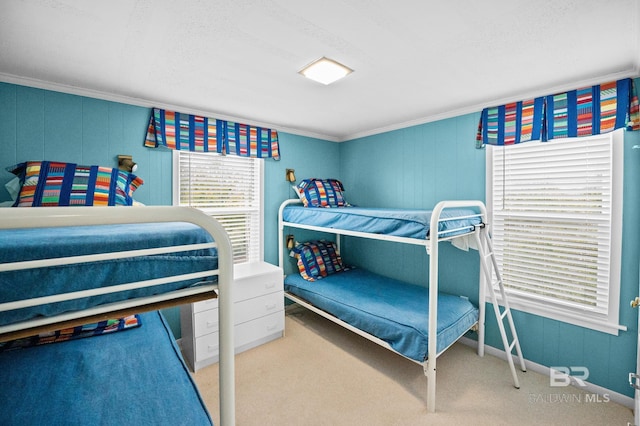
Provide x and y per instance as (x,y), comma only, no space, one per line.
(41,217)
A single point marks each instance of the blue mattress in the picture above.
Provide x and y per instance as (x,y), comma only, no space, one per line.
(132,377)
(391,310)
(410,223)
(32,244)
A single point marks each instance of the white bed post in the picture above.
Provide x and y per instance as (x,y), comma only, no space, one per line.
(430,367)
(227,345)
(280,240)
(483,282)
(226,364)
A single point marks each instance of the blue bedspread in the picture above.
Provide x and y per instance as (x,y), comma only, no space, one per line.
(133,377)
(31,244)
(391,310)
(411,223)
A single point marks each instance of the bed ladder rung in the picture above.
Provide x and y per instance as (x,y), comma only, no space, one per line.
(504,313)
(512,345)
(492,277)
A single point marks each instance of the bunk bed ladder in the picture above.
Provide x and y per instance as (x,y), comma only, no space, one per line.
(487,262)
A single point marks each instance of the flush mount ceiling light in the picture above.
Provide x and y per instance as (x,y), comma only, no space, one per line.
(325,71)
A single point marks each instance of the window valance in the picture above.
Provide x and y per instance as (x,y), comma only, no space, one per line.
(194,133)
(582,112)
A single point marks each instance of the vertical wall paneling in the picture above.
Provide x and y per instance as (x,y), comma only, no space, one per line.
(30,113)
(8,133)
(311,158)
(413,167)
(438,161)
(95,131)
(63,119)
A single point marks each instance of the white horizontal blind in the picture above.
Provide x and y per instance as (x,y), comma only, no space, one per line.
(229,188)
(552,206)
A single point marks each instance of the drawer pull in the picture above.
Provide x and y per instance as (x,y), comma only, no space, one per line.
(212,348)
(211,324)
(272,326)
(270,306)
(270,284)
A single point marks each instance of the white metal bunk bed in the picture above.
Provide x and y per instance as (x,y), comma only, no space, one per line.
(27,218)
(489,277)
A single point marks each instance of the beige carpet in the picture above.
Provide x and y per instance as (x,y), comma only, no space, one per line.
(322,374)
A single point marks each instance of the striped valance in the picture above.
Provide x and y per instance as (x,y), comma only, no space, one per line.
(512,123)
(582,112)
(194,133)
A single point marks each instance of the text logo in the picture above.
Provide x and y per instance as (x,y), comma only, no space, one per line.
(563,376)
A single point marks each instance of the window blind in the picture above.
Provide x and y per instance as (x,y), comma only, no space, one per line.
(552,206)
(230,190)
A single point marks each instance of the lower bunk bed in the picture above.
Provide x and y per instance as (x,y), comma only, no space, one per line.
(136,376)
(393,311)
(417,322)
(68,273)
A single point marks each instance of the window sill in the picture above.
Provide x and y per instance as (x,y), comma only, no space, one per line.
(556,313)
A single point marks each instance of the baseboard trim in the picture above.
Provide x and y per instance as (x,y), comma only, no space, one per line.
(544,370)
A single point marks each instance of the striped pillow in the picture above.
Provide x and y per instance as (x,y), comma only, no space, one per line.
(51,183)
(318,259)
(321,193)
(79,332)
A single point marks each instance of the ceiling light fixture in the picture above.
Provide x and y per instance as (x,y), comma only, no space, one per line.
(325,71)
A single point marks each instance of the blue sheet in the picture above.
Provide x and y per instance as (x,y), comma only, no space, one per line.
(132,377)
(32,244)
(391,310)
(410,223)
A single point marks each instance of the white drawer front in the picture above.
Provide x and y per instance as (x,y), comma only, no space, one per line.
(258,285)
(205,322)
(205,304)
(259,328)
(257,307)
(207,346)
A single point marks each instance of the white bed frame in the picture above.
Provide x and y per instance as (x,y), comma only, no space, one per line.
(39,217)
(487,260)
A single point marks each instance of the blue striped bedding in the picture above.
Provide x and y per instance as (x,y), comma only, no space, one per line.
(42,243)
(133,377)
(410,223)
(391,310)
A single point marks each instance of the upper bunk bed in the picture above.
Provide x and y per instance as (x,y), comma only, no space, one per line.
(66,272)
(397,315)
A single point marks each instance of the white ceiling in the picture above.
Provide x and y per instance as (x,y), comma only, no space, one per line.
(415,60)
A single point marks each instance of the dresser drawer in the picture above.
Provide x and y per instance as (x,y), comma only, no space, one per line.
(257,285)
(205,322)
(257,307)
(248,287)
(247,335)
(258,329)
(205,305)
(207,347)
(258,315)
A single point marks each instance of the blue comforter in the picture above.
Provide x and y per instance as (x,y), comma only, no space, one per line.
(394,311)
(132,377)
(410,223)
(32,244)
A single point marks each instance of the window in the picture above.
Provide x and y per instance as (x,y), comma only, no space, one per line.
(229,188)
(556,220)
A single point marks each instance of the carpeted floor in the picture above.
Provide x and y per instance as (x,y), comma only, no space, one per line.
(322,374)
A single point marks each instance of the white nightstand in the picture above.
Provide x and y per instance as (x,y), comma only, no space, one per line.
(258,315)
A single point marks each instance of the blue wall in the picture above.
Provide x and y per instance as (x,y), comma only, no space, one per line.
(412,167)
(38,124)
(421,165)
